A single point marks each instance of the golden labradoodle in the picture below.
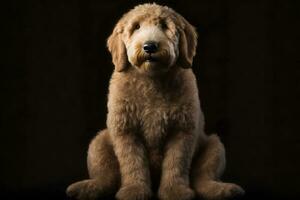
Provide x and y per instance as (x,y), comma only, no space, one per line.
(155,138)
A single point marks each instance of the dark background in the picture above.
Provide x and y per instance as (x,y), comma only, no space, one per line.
(55,75)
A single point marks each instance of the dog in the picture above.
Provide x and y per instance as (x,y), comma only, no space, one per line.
(155,139)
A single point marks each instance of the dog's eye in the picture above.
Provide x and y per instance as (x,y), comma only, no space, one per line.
(163,25)
(136,27)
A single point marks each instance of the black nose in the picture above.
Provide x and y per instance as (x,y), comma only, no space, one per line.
(150,47)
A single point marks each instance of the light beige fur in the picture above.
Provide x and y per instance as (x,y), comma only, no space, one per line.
(155,138)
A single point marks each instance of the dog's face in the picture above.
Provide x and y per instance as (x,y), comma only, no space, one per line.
(152,39)
(151,43)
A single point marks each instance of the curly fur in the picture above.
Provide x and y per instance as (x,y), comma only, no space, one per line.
(155,138)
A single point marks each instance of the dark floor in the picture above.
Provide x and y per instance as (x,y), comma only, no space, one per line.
(57,193)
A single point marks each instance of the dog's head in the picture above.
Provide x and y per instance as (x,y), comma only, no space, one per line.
(152,39)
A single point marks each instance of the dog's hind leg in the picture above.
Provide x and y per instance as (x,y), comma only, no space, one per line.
(207,168)
(103,169)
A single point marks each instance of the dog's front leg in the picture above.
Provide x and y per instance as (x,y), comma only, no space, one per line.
(134,168)
(176,166)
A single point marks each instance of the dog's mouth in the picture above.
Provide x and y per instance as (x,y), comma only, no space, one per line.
(150,58)
(152,61)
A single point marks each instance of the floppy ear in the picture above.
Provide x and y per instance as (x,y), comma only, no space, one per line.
(117,49)
(187,43)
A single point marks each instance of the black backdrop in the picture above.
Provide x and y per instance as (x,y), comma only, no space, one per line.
(55,76)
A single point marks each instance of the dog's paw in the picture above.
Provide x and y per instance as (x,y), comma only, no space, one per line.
(134,192)
(176,192)
(84,190)
(213,190)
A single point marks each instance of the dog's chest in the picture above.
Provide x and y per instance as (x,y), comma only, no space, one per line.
(155,122)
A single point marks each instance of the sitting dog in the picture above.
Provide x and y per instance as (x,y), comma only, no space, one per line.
(155,138)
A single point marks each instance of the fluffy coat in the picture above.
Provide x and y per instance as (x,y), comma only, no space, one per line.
(155,139)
